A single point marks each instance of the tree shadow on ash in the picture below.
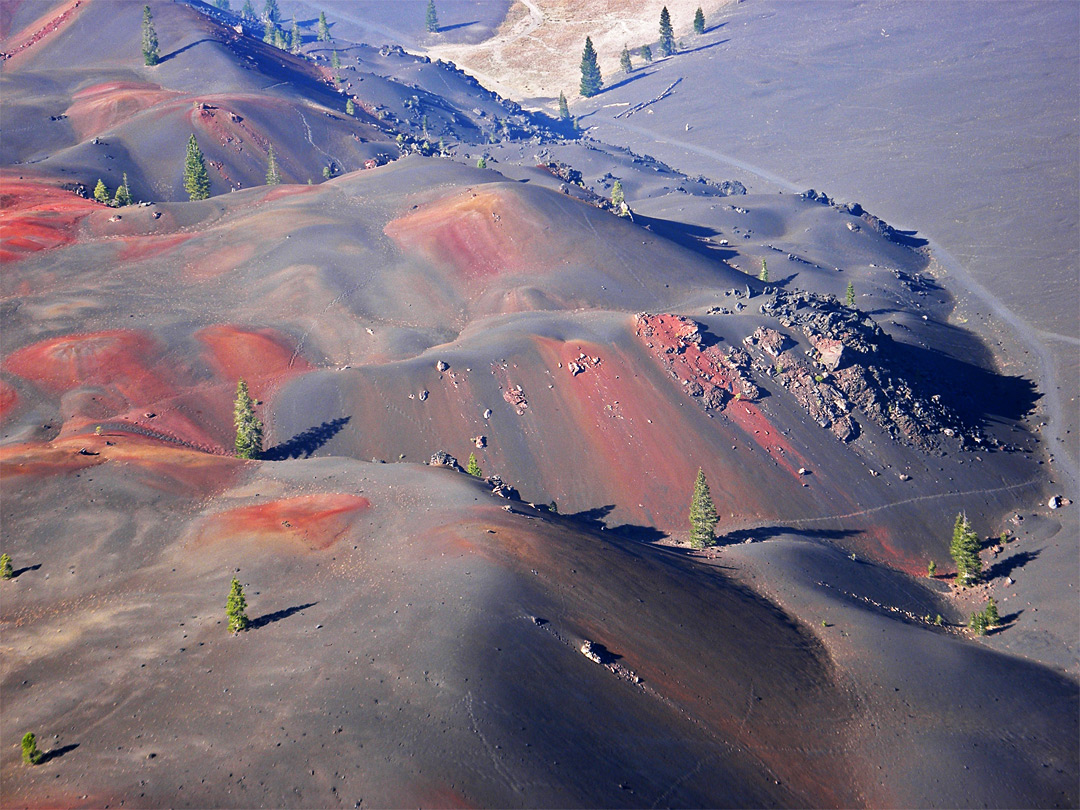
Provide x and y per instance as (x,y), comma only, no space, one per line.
(18,572)
(760,533)
(1006,622)
(594,519)
(703,47)
(1014,562)
(640,73)
(278,615)
(694,237)
(306,443)
(56,753)
(444,28)
(179,51)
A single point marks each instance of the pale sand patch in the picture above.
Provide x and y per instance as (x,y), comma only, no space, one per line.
(537,50)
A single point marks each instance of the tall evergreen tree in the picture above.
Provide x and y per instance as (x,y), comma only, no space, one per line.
(280,42)
(149,38)
(993,618)
(323,31)
(667,33)
(297,39)
(123,194)
(335,63)
(223,5)
(849,295)
(564,108)
(268,31)
(699,21)
(247,12)
(249,430)
(101,192)
(432,18)
(273,176)
(965,551)
(6,571)
(271,12)
(764,274)
(646,53)
(350,107)
(473,467)
(703,517)
(196,180)
(236,608)
(31,755)
(624,60)
(591,80)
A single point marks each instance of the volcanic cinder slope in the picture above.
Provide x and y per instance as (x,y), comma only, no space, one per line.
(417,639)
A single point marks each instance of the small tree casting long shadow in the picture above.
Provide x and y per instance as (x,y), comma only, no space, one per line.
(56,753)
(278,615)
(306,443)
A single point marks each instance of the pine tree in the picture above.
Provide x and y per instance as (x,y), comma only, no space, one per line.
(273,176)
(849,296)
(222,5)
(123,194)
(591,80)
(335,61)
(196,180)
(247,13)
(350,107)
(993,619)
(481,163)
(432,18)
(268,31)
(149,38)
(236,608)
(323,30)
(101,192)
(624,60)
(699,21)
(646,53)
(564,108)
(618,199)
(473,467)
(667,33)
(270,11)
(280,42)
(249,430)
(297,39)
(703,517)
(6,571)
(977,622)
(30,753)
(764,274)
(965,551)
(931,570)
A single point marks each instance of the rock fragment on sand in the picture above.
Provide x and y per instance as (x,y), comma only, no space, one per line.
(587,651)
(441,366)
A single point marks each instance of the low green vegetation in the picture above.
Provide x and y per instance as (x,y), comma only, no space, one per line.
(931,570)
(703,518)
(699,21)
(591,80)
(6,571)
(473,467)
(249,430)
(964,550)
(31,755)
(149,38)
(236,608)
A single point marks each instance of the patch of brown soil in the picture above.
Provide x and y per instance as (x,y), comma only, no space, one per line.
(311,522)
(262,357)
(41,29)
(102,106)
(480,233)
(36,216)
(9,398)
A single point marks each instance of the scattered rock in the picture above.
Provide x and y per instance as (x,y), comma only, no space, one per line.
(515,395)
(480,442)
(587,651)
(441,366)
(905,477)
(1054,502)
(422,395)
(444,459)
(487,413)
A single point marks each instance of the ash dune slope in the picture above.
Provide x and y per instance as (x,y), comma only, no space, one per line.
(413,642)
